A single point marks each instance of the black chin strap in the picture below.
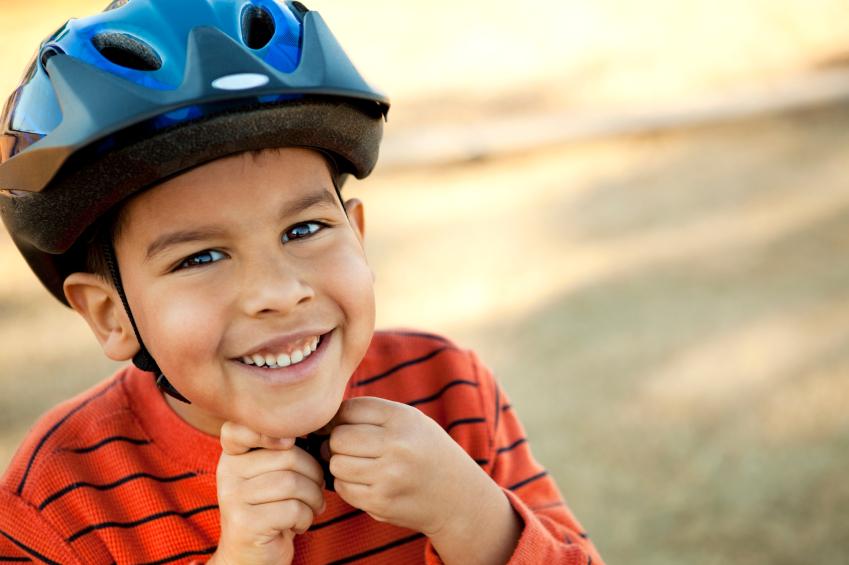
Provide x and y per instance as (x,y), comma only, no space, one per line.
(143,360)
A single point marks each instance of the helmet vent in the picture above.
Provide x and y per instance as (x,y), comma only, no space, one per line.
(49,52)
(257,26)
(115,4)
(299,10)
(127,51)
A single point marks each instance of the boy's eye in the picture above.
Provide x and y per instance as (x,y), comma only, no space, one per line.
(202,258)
(300,231)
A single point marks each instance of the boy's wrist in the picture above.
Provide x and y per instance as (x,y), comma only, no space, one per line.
(485,532)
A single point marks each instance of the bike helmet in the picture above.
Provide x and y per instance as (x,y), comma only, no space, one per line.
(117,102)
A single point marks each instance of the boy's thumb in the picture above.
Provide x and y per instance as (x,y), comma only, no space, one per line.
(237,439)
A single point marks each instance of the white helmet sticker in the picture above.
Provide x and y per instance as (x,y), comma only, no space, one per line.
(240,81)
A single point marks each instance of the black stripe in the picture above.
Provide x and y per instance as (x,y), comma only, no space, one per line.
(108,440)
(336,520)
(56,426)
(207,551)
(424,335)
(380,549)
(72,487)
(506,407)
(400,366)
(5,559)
(522,483)
(436,395)
(497,406)
(141,521)
(481,461)
(512,446)
(589,560)
(28,549)
(463,421)
(584,535)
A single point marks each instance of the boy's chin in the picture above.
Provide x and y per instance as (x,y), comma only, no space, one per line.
(296,425)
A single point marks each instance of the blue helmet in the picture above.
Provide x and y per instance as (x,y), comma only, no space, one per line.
(116,102)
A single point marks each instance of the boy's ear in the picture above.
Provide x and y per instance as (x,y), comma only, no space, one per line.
(356,214)
(98,302)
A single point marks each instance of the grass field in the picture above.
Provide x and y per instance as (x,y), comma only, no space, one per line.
(668,312)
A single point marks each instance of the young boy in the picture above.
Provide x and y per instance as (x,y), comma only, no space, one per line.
(171,170)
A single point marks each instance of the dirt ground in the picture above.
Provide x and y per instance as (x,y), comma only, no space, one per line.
(671,316)
(669,313)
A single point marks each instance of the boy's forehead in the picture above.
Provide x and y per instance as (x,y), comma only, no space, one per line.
(282,174)
(283,182)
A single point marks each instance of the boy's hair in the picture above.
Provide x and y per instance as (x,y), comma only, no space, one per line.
(102,235)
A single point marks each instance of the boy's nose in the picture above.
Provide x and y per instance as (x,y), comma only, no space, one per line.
(273,287)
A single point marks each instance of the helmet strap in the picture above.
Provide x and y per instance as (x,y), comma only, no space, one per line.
(143,359)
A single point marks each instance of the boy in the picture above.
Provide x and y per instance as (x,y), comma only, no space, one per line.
(171,170)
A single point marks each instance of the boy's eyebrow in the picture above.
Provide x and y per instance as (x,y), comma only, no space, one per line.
(298,205)
(292,207)
(184,236)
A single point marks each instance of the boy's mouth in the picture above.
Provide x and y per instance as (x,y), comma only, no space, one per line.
(291,354)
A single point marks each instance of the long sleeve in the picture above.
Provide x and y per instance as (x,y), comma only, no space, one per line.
(95,482)
(25,536)
(114,475)
(551,534)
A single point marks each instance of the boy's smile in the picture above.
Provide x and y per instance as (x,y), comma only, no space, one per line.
(250,288)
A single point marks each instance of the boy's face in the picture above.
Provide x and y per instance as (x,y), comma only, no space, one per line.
(250,256)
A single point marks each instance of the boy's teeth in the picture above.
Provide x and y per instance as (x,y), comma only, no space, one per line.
(282,360)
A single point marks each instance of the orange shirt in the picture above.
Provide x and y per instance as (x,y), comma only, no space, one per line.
(114,475)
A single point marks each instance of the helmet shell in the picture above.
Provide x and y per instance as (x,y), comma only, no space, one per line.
(119,101)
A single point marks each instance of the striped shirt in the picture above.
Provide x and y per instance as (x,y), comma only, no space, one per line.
(115,476)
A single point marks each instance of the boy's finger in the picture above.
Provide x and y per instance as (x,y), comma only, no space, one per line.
(267,461)
(283,485)
(237,439)
(359,440)
(355,494)
(365,410)
(291,514)
(353,469)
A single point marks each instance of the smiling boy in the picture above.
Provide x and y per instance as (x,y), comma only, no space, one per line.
(217,276)
(192,215)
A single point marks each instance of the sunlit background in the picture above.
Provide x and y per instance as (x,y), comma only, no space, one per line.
(637,212)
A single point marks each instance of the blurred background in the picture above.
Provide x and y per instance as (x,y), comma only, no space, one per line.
(637,212)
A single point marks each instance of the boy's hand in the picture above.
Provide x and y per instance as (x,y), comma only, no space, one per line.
(268,491)
(401,467)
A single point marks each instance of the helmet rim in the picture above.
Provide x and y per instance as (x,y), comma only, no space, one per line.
(46,226)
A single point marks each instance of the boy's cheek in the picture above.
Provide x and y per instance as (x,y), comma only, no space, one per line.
(181,330)
(351,283)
